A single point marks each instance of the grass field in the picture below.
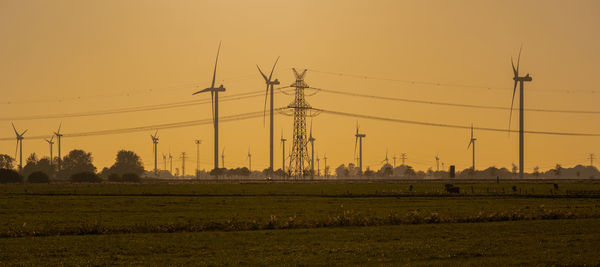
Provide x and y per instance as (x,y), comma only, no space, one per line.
(307,223)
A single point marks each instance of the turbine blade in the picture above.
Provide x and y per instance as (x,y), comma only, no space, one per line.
(271,75)
(355,143)
(212,104)
(519,59)
(59,126)
(203,90)
(23,133)
(263,75)
(515,71)
(469,144)
(215,71)
(13,125)
(265,107)
(511,107)
(16,149)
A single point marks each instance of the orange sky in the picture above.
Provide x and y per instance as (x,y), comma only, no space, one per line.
(73,56)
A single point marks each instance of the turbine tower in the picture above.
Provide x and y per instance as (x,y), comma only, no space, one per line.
(311,139)
(51,143)
(472,141)
(214,94)
(283,152)
(19,146)
(521,81)
(299,153)
(325,171)
(155,150)
(358,138)
(318,166)
(269,83)
(170,163)
(58,136)
(437,162)
(164,161)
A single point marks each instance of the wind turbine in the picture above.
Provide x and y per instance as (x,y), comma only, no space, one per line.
(223,158)
(58,136)
(155,150)
(318,166)
(386,157)
(171,163)
(269,83)
(283,152)
(164,161)
(19,146)
(197,142)
(521,81)
(437,162)
(51,143)
(311,139)
(325,163)
(214,94)
(472,141)
(249,160)
(358,139)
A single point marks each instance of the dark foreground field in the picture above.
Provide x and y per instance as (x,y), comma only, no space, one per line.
(313,224)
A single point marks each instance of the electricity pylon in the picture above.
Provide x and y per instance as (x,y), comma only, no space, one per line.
(299,154)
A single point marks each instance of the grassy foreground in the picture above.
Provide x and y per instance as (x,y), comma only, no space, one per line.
(313,224)
(554,242)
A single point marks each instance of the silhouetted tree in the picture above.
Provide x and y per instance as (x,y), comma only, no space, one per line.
(409,171)
(280,173)
(77,161)
(127,162)
(369,172)
(85,177)
(6,161)
(10,176)
(342,171)
(35,165)
(536,171)
(38,177)
(514,169)
(558,170)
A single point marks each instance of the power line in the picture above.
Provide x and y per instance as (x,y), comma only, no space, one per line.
(444,125)
(133,109)
(452,104)
(236,117)
(440,84)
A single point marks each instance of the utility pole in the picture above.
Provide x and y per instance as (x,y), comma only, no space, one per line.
(198,142)
(591,158)
(182,164)
(403,158)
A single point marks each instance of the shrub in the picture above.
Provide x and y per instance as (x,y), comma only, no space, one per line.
(130,177)
(10,176)
(113,177)
(38,177)
(85,177)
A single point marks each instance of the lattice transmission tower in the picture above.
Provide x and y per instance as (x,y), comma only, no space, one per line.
(299,159)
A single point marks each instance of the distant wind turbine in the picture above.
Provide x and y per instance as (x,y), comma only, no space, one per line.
(51,143)
(155,150)
(58,137)
(269,83)
(214,94)
(311,139)
(358,139)
(283,152)
(472,141)
(19,146)
(521,81)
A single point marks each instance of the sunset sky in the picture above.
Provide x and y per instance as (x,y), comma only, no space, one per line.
(72,56)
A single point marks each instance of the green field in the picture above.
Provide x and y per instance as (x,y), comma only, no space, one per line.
(305,223)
